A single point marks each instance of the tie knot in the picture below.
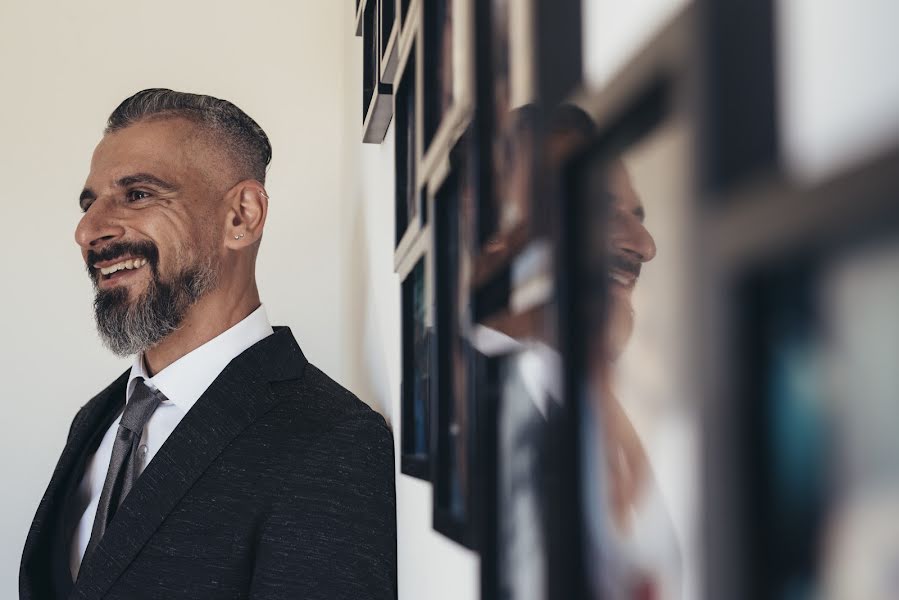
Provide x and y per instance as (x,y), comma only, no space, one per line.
(140,407)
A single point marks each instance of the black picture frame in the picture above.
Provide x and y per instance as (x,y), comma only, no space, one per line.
(389,38)
(409,207)
(377,94)
(456,419)
(740,130)
(511,133)
(416,369)
(762,290)
(437,84)
(524,551)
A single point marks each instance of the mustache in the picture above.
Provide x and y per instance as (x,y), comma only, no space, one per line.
(622,262)
(145,249)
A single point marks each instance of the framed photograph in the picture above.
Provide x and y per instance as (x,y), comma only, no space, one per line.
(389,34)
(630,333)
(448,83)
(409,208)
(455,449)
(377,95)
(505,216)
(806,397)
(417,340)
(524,549)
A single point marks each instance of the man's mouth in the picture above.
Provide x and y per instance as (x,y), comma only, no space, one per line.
(624,271)
(108,269)
(627,280)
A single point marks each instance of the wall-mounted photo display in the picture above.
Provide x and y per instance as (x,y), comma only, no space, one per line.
(377,95)
(417,369)
(455,424)
(505,216)
(630,334)
(409,210)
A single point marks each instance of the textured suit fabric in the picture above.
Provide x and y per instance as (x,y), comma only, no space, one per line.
(278,483)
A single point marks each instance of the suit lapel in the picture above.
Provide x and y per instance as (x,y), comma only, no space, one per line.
(239,396)
(41,553)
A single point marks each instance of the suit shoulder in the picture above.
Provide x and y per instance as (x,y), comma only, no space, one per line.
(329,401)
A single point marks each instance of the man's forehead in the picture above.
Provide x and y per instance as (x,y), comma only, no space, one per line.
(623,190)
(167,146)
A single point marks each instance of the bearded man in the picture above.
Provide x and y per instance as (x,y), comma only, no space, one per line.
(222,464)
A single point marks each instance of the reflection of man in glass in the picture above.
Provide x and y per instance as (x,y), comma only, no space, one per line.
(632,543)
(629,246)
(631,548)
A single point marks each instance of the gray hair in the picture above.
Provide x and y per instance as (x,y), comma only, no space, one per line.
(243,138)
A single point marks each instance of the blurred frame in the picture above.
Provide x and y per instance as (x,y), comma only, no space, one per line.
(410,208)
(508,87)
(377,101)
(456,418)
(416,401)
(389,34)
(448,82)
(783,253)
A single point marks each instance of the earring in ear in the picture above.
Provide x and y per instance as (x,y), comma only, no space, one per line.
(237,237)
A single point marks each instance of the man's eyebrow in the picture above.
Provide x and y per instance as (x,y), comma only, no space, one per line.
(145,179)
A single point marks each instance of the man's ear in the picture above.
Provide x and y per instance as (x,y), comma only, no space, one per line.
(248,208)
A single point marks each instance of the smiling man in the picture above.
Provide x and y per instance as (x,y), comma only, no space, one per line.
(222,464)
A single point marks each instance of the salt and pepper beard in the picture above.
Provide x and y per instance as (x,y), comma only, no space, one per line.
(132,326)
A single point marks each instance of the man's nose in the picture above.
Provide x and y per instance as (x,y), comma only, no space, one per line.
(98,225)
(637,240)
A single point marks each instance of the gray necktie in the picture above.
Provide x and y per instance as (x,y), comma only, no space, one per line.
(124,465)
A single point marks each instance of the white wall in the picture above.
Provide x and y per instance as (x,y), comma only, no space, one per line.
(430,565)
(63,67)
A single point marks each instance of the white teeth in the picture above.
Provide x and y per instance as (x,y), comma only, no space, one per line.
(131,263)
(620,279)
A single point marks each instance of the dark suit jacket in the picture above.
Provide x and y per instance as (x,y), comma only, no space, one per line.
(278,483)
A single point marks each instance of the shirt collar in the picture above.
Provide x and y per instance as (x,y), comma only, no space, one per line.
(185,380)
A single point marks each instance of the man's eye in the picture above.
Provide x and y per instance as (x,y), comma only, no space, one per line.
(135,195)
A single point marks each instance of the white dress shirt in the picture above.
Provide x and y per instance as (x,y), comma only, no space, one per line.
(182,383)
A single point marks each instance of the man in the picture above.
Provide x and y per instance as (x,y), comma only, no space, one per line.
(222,464)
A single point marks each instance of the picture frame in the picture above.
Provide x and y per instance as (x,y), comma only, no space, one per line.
(456,417)
(360,7)
(377,94)
(448,88)
(523,553)
(780,293)
(389,38)
(510,79)
(416,399)
(409,203)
